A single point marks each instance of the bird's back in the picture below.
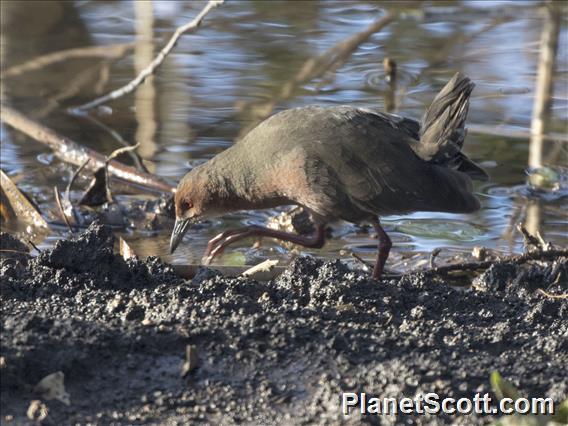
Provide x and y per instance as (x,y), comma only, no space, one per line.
(356,163)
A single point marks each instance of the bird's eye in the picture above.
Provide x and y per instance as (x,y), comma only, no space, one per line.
(186,205)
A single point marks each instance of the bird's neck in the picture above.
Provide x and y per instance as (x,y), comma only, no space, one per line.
(238,181)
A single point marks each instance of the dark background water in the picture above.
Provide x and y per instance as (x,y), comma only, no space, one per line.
(219,80)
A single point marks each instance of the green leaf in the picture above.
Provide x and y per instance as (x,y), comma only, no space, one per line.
(561,414)
(502,388)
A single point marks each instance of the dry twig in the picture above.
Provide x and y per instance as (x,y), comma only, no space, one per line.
(117,137)
(189,271)
(553,296)
(115,154)
(36,248)
(265,266)
(151,68)
(366,265)
(67,197)
(61,209)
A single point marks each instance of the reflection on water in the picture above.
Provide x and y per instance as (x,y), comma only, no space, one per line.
(217,81)
(145,97)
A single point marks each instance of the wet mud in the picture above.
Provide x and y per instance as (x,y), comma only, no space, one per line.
(264,352)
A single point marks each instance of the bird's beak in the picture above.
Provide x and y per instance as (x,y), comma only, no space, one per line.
(180,228)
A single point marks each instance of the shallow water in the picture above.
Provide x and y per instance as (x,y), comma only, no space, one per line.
(211,88)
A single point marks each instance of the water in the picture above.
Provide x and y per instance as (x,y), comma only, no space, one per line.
(213,85)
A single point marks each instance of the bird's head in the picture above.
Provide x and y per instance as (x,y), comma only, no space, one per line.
(190,202)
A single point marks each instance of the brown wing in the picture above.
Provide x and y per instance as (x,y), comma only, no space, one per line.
(372,161)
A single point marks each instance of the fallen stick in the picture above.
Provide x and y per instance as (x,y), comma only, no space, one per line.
(61,209)
(189,271)
(158,60)
(265,266)
(74,153)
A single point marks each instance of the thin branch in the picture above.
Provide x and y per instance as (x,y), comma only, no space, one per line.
(34,246)
(121,151)
(61,209)
(73,179)
(265,266)
(366,265)
(74,153)
(150,69)
(104,76)
(67,196)
(115,154)
(190,271)
(116,136)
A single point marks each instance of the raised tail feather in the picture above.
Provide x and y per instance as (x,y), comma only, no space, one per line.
(442,131)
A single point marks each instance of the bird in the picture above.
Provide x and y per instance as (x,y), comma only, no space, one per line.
(338,163)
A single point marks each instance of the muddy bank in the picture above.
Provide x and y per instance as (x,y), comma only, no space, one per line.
(279,351)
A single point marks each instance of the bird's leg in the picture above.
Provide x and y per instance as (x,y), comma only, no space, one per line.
(218,244)
(384,246)
(224,235)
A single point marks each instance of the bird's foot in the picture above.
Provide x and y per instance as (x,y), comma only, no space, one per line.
(217,245)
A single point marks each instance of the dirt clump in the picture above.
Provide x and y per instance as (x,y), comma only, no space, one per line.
(264,352)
